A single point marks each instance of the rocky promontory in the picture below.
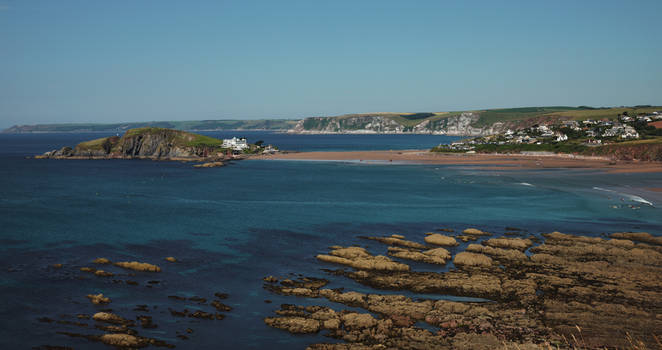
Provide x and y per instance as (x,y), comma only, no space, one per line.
(147,143)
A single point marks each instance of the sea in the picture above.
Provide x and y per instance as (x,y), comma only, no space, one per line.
(232,226)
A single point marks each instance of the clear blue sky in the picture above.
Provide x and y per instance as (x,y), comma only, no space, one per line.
(111,61)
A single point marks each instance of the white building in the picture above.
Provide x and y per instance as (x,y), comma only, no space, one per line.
(270,149)
(630,133)
(617,130)
(560,137)
(236,144)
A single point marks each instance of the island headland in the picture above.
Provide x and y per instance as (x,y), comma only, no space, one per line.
(160,144)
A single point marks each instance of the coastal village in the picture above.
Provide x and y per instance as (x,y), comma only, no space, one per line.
(587,132)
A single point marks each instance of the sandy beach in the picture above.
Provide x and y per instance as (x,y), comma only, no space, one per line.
(493,161)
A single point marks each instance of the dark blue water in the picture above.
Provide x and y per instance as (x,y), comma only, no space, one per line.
(31,144)
(231,226)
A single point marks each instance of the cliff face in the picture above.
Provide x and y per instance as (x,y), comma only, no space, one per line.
(625,151)
(457,125)
(161,143)
(359,124)
(150,143)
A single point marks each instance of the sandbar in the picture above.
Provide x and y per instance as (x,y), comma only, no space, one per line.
(491,161)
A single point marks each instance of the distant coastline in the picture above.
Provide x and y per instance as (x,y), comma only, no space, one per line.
(452,123)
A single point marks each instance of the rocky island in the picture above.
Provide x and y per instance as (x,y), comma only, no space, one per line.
(159,144)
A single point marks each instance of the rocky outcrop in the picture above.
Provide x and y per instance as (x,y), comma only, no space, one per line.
(138,266)
(147,143)
(438,239)
(433,256)
(573,291)
(98,299)
(359,258)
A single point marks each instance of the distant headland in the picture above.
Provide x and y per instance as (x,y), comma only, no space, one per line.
(454,123)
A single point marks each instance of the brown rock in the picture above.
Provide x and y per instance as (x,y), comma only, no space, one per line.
(102,273)
(98,299)
(638,236)
(109,318)
(294,324)
(360,259)
(498,253)
(138,266)
(438,239)
(122,340)
(432,256)
(357,320)
(472,259)
(475,232)
(397,241)
(509,243)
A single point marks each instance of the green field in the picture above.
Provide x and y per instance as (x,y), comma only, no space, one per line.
(96,144)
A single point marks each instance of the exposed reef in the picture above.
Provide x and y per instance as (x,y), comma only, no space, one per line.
(133,327)
(570,291)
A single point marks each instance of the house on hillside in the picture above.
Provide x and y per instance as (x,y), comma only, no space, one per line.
(236,144)
(560,137)
(629,133)
(612,132)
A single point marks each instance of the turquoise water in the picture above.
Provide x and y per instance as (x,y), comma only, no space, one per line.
(231,226)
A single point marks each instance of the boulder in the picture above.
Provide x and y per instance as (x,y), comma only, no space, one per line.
(509,243)
(294,324)
(439,239)
(360,259)
(138,266)
(356,320)
(472,259)
(475,232)
(98,299)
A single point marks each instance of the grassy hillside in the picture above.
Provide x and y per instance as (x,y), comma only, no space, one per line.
(176,137)
(491,116)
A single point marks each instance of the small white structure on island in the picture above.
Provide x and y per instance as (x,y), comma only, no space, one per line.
(270,149)
(236,144)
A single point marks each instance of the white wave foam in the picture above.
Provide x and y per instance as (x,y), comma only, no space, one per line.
(631,197)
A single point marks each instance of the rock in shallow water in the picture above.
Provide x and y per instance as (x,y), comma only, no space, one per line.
(438,239)
(138,266)
(607,287)
(360,259)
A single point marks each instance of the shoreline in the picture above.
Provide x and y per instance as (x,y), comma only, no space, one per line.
(498,161)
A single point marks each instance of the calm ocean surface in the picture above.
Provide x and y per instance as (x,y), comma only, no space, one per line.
(231,226)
